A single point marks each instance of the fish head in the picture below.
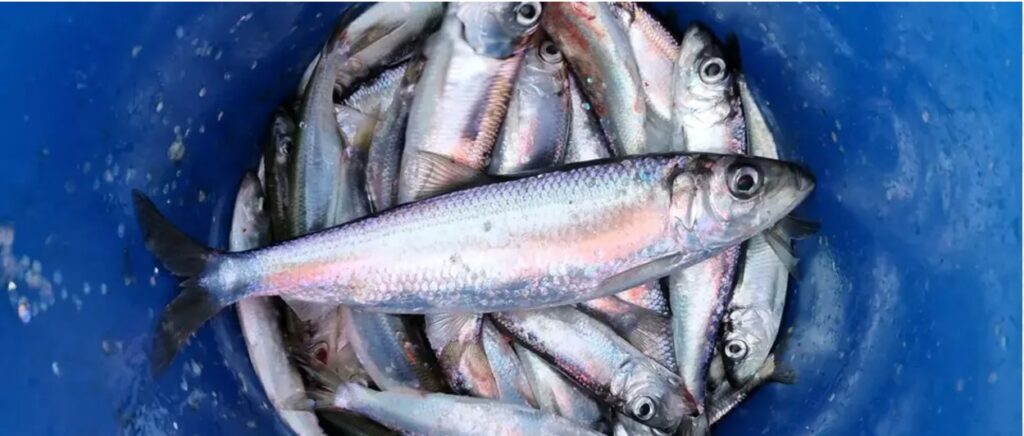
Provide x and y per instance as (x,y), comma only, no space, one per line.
(719,201)
(706,95)
(653,397)
(498,29)
(746,343)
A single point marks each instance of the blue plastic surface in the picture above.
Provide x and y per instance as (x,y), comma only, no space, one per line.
(906,319)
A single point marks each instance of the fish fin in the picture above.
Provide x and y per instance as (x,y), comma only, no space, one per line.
(308,310)
(791,227)
(298,402)
(783,250)
(443,328)
(649,333)
(439,174)
(199,300)
(638,275)
(783,374)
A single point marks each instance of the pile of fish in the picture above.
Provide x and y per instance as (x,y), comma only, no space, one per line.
(514,218)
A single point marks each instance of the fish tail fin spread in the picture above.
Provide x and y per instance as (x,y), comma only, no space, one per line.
(183,257)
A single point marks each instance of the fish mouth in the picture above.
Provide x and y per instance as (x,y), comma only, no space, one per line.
(805,181)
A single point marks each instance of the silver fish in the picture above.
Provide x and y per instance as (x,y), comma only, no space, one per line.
(360,112)
(586,140)
(656,52)
(250,228)
(726,397)
(384,162)
(278,146)
(462,96)
(536,128)
(555,238)
(601,362)
(417,413)
(626,426)
(513,386)
(382,36)
(393,353)
(711,120)
(649,296)
(458,345)
(648,331)
(555,393)
(598,50)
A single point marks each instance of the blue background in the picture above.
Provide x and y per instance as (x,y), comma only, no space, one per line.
(906,319)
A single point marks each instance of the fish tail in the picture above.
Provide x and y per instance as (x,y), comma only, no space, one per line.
(200,298)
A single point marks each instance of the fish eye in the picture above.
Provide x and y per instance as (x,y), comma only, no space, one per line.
(528,13)
(642,408)
(549,53)
(744,181)
(712,70)
(736,349)
(319,352)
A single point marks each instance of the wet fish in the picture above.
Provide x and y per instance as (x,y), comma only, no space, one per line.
(649,296)
(458,344)
(418,413)
(711,121)
(648,331)
(359,114)
(276,152)
(586,140)
(598,50)
(555,393)
(727,397)
(393,353)
(536,128)
(556,238)
(513,386)
(329,349)
(626,426)
(384,161)
(250,228)
(656,52)
(382,36)
(463,94)
(601,362)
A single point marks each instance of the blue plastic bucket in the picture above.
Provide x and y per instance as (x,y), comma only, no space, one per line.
(906,319)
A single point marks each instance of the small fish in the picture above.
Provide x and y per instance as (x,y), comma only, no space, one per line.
(711,121)
(470,251)
(381,36)
(513,386)
(601,362)
(626,426)
(598,50)
(649,296)
(586,140)
(648,331)
(536,128)
(726,397)
(327,347)
(276,151)
(384,161)
(555,393)
(419,413)
(457,342)
(250,228)
(359,114)
(392,351)
(463,94)
(656,52)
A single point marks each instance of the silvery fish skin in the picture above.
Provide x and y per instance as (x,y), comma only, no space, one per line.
(711,120)
(601,362)
(707,113)
(457,343)
(359,114)
(586,140)
(726,397)
(598,50)
(382,36)
(648,331)
(462,96)
(391,351)
(626,426)
(555,238)
(555,393)
(276,153)
(384,162)
(536,128)
(754,314)
(513,386)
(250,228)
(649,296)
(656,52)
(417,413)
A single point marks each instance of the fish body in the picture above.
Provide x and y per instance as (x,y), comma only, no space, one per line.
(586,140)
(513,386)
(384,161)
(648,331)
(462,96)
(648,296)
(555,393)
(276,152)
(359,114)
(418,413)
(457,343)
(601,362)
(392,352)
(598,50)
(535,133)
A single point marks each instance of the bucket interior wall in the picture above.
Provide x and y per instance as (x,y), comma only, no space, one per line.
(905,318)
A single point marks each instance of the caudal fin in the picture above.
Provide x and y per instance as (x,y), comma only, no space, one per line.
(183,257)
